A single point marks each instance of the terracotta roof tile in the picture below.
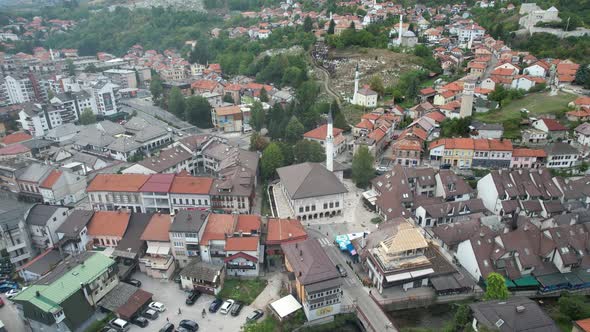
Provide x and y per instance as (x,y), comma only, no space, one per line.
(51,179)
(16,138)
(191,185)
(521,152)
(218,225)
(284,231)
(247,223)
(242,243)
(109,223)
(117,182)
(320,132)
(157,229)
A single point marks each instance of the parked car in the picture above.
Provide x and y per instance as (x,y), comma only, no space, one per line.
(108,329)
(158,306)
(8,285)
(169,327)
(226,306)
(151,314)
(12,293)
(445,166)
(188,324)
(140,321)
(193,297)
(341,270)
(120,324)
(134,282)
(255,315)
(177,279)
(237,308)
(215,305)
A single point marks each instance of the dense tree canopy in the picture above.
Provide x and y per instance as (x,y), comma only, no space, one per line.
(176,102)
(87,117)
(198,111)
(272,158)
(496,287)
(362,167)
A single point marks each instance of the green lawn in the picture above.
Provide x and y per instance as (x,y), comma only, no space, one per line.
(242,290)
(536,103)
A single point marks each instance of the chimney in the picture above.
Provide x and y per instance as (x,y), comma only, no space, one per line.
(37,294)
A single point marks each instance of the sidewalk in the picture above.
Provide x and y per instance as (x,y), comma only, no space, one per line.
(271,292)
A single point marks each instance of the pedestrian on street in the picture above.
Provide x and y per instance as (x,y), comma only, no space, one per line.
(168,319)
(179,312)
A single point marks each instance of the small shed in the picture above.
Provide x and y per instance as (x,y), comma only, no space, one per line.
(126,300)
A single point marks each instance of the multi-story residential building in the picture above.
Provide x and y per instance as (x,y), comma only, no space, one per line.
(19,89)
(452,187)
(230,118)
(171,160)
(448,212)
(73,232)
(43,222)
(106,228)
(185,232)
(29,180)
(232,240)
(317,283)
(189,192)
(528,158)
(63,188)
(104,98)
(68,296)
(561,155)
(553,128)
(115,191)
(124,78)
(14,234)
(155,193)
(158,261)
(202,276)
(469,152)
(532,136)
(582,134)
(38,119)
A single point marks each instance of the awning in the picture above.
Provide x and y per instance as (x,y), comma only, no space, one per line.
(420,273)
(285,306)
(164,249)
(152,250)
(371,196)
(398,277)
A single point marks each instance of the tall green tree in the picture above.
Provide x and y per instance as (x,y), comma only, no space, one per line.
(294,130)
(87,117)
(70,67)
(198,112)
(376,84)
(257,142)
(263,95)
(331,27)
(156,88)
(311,151)
(496,287)
(272,158)
(257,116)
(307,24)
(583,76)
(362,167)
(176,102)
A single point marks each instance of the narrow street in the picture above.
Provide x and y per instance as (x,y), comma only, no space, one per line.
(354,291)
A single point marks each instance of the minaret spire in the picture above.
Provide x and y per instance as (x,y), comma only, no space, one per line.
(356,85)
(330,142)
(399,34)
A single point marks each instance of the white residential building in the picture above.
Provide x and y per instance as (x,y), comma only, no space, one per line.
(18,89)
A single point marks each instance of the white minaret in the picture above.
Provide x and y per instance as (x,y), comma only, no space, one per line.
(467,98)
(356,85)
(330,143)
(399,33)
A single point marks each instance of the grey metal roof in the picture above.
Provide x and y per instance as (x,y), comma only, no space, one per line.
(131,243)
(309,180)
(41,213)
(35,173)
(43,264)
(503,315)
(93,136)
(200,270)
(124,144)
(63,130)
(188,221)
(37,143)
(560,149)
(74,223)
(110,127)
(118,296)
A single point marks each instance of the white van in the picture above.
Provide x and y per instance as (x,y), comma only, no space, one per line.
(120,324)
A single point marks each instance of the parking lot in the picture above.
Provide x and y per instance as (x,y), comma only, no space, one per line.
(170,294)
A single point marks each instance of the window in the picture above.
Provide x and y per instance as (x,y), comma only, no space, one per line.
(337,204)
(325,206)
(331,205)
(301,209)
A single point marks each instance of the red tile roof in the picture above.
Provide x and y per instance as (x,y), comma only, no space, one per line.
(109,223)
(159,183)
(427,91)
(117,182)
(14,149)
(247,223)
(242,243)
(377,134)
(218,225)
(582,101)
(16,138)
(191,185)
(157,229)
(51,179)
(365,124)
(502,72)
(320,132)
(553,125)
(284,231)
(521,152)
(436,116)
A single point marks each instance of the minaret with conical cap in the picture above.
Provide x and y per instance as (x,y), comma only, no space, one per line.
(330,143)
(401,25)
(356,85)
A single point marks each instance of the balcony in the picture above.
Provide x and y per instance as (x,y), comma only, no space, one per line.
(22,257)
(240,267)
(16,247)
(157,263)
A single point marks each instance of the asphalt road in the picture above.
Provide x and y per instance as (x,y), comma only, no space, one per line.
(9,316)
(354,292)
